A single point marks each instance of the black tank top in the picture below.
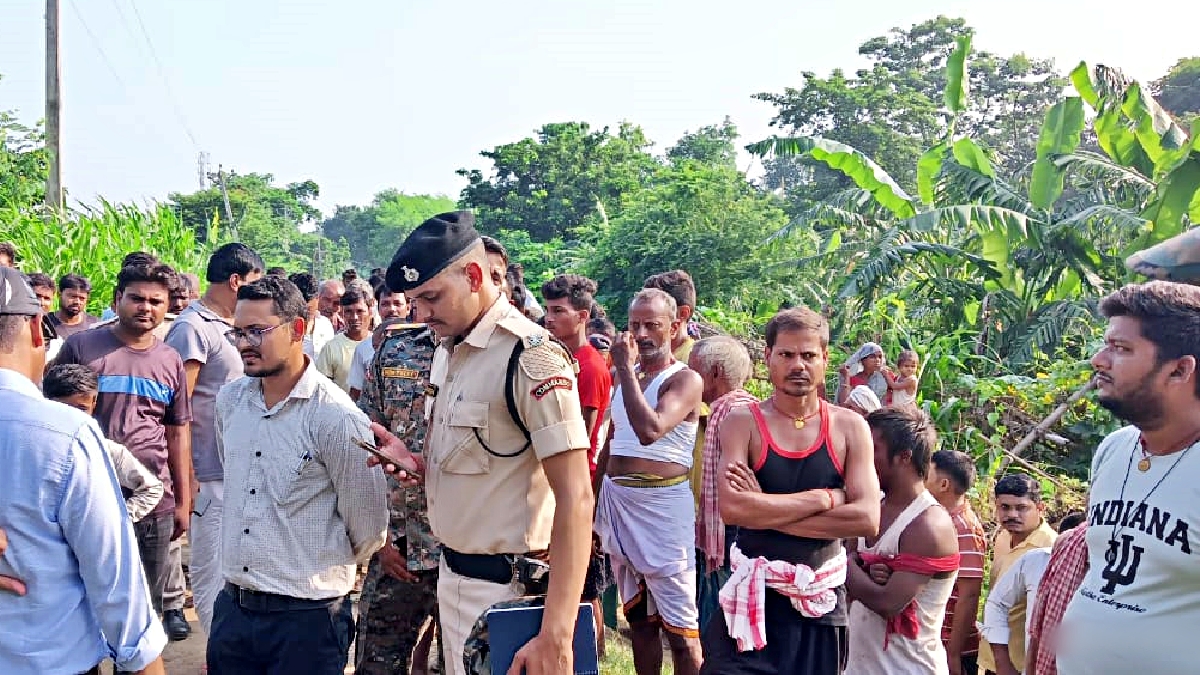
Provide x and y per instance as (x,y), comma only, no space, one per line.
(781,471)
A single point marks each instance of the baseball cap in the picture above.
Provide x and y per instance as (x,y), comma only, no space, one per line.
(16,296)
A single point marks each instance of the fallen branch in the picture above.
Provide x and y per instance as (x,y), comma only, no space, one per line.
(1043,427)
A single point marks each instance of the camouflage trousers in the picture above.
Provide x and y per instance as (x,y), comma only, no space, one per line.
(391,614)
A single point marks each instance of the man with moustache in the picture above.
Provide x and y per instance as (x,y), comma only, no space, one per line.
(144,405)
(506,474)
(799,476)
(1021,514)
(302,509)
(72,317)
(645,515)
(1137,605)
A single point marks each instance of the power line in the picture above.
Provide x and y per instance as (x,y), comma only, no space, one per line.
(163,75)
(96,43)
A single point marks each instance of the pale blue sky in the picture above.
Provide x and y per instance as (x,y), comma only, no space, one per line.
(361,95)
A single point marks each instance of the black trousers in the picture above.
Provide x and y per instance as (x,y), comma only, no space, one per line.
(795,645)
(258,634)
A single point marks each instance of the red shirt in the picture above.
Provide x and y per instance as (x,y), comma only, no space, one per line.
(972,549)
(595,391)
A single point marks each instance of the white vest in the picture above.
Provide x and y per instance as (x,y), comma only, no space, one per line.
(1140,601)
(675,446)
(868,630)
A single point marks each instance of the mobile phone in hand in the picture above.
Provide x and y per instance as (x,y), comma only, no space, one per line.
(370,447)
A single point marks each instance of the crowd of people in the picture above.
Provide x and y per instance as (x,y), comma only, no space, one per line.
(386,462)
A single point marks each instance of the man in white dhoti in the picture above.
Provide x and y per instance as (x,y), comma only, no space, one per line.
(646,513)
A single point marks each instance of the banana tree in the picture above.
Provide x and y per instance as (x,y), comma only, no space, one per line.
(976,247)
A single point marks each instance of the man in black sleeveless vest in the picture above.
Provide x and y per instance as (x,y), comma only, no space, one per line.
(799,476)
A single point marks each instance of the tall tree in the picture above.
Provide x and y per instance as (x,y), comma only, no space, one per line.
(892,111)
(703,218)
(277,222)
(24,163)
(373,232)
(713,144)
(1179,90)
(550,184)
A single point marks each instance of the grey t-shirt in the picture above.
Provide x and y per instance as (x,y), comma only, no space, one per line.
(198,334)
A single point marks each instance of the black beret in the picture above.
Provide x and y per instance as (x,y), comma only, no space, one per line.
(430,248)
(16,296)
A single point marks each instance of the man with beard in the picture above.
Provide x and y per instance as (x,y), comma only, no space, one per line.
(799,476)
(646,516)
(198,334)
(1021,514)
(144,405)
(72,317)
(900,581)
(335,359)
(1138,603)
(506,474)
(301,506)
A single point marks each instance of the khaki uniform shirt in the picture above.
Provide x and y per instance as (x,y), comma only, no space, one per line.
(479,502)
(1004,554)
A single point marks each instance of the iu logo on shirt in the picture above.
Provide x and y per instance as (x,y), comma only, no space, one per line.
(1123,561)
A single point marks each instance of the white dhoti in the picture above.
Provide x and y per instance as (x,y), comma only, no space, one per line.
(647,527)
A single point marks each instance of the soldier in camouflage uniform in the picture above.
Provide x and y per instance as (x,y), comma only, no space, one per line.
(394,610)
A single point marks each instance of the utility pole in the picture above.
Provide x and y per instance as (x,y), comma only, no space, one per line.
(202,169)
(225,196)
(53,107)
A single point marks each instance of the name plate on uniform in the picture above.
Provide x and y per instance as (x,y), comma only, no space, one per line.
(402,373)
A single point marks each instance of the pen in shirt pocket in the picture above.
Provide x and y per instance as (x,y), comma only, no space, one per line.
(303,462)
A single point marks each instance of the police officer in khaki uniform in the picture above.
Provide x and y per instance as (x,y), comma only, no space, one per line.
(500,497)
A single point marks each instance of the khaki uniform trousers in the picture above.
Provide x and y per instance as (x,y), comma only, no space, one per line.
(461,601)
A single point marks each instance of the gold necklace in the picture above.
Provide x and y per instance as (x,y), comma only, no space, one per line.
(1143,464)
(797,422)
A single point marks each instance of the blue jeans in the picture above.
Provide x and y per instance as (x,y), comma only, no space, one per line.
(279,636)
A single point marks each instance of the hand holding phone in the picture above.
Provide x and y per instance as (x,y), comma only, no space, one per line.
(392,455)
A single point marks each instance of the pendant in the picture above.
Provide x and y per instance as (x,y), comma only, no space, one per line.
(1144,465)
(1111,555)
(799,424)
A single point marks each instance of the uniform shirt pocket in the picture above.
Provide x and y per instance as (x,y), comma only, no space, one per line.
(468,430)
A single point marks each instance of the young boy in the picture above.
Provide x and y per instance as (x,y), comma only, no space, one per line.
(76,386)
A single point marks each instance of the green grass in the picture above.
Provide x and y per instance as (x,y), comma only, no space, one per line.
(618,656)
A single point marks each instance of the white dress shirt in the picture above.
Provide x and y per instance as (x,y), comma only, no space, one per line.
(302,507)
(1022,579)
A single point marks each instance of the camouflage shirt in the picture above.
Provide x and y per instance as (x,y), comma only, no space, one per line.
(393,395)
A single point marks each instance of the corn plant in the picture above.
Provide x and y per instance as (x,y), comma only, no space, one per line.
(91,241)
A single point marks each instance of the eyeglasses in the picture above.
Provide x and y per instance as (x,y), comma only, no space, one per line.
(252,336)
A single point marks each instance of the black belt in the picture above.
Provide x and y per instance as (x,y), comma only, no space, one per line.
(258,601)
(498,568)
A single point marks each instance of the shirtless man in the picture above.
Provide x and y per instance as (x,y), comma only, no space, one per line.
(908,571)
(645,515)
(798,477)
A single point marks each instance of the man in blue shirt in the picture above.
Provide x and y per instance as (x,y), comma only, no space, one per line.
(68,539)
